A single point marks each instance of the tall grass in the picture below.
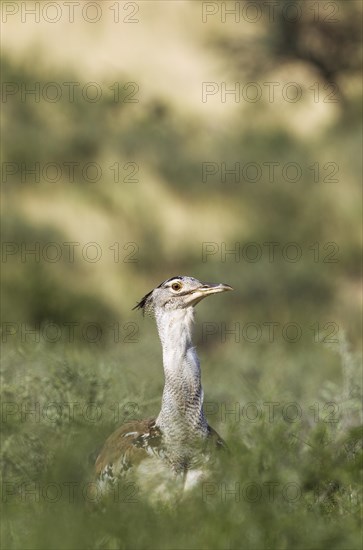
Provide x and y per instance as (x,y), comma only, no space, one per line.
(288,481)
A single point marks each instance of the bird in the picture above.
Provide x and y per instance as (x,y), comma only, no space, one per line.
(174,448)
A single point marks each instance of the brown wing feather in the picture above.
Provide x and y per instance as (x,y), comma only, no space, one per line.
(127,445)
(135,441)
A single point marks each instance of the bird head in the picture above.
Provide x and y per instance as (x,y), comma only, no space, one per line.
(179,293)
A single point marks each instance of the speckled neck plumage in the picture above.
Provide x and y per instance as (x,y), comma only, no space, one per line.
(181,418)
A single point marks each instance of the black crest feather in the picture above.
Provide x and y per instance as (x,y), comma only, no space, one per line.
(170,279)
(144,302)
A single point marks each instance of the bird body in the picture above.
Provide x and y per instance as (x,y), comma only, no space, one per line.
(177,444)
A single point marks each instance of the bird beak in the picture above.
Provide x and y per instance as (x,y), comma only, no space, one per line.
(206,290)
(210,288)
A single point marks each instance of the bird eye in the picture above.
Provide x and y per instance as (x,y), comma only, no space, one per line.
(176,286)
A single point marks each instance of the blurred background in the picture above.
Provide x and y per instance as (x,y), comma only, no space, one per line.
(220,140)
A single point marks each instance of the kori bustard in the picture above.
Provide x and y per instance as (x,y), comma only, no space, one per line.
(177,444)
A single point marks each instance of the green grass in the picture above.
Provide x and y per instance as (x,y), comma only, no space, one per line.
(284,484)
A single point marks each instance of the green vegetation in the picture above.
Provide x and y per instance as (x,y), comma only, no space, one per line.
(284,389)
(289,480)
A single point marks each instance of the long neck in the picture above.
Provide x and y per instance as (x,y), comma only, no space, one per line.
(181,416)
